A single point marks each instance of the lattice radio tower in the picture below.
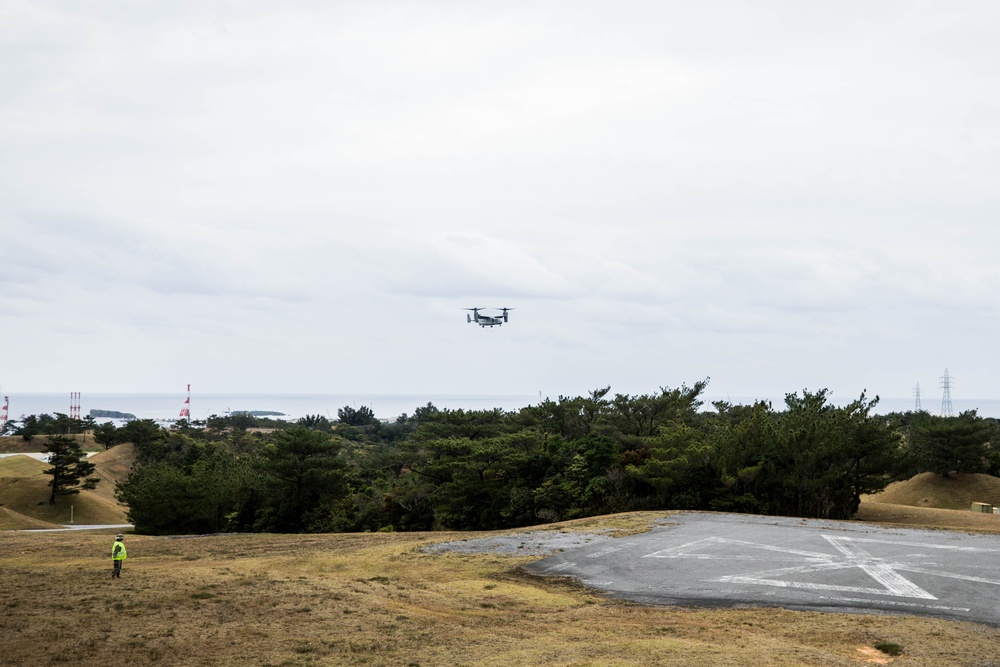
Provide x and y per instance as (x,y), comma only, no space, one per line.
(916,394)
(74,405)
(946,409)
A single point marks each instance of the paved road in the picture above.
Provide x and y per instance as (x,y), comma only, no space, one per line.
(82,526)
(738,560)
(38,456)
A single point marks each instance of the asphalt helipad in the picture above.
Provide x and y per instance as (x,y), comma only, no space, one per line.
(726,560)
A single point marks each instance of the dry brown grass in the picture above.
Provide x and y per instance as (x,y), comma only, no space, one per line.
(11,520)
(21,466)
(376,599)
(112,466)
(928,517)
(13,444)
(955,492)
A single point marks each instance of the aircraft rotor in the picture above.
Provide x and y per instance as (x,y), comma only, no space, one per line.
(505,311)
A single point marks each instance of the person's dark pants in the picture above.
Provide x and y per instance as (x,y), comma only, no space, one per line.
(116,571)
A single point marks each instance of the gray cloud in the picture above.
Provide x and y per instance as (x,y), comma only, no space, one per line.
(775,194)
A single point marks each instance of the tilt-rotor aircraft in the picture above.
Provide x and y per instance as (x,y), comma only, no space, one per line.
(487,320)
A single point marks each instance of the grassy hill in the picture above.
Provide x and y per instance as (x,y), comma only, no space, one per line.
(21,466)
(928,517)
(11,520)
(929,500)
(111,467)
(928,489)
(24,493)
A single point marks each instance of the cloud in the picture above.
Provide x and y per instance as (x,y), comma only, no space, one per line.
(770,194)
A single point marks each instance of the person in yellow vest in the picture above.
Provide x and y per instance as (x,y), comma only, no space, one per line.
(117,556)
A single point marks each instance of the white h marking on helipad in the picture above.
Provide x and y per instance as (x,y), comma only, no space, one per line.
(851,554)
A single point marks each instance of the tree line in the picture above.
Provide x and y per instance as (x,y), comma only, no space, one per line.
(561,459)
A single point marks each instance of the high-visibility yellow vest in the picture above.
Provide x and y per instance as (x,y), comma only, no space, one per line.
(118,551)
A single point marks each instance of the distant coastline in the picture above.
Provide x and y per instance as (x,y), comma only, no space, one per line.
(110,414)
(290,407)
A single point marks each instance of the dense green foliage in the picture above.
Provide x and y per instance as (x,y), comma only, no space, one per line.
(45,424)
(562,459)
(959,444)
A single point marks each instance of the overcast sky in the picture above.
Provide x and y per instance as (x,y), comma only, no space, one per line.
(302,196)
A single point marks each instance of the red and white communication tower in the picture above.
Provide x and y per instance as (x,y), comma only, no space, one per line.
(74,405)
(3,414)
(186,410)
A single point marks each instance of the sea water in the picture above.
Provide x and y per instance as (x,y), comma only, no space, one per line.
(167,407)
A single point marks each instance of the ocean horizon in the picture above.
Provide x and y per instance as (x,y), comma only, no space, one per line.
(165,407)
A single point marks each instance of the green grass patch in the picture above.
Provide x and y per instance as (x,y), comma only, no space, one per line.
(889,648)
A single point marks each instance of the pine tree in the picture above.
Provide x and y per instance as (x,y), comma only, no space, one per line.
(69,467)
(954,444)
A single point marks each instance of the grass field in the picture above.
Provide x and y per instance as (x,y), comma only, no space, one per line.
(377,599)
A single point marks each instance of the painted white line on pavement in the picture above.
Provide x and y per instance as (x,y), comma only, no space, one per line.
(610,550)
(685,551)
(951,547)
(878,569)
(896,603)
(948,575)
(560,567)
(851,554)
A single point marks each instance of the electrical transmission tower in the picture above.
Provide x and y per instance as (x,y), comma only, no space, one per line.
(916,393)
(946,409)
